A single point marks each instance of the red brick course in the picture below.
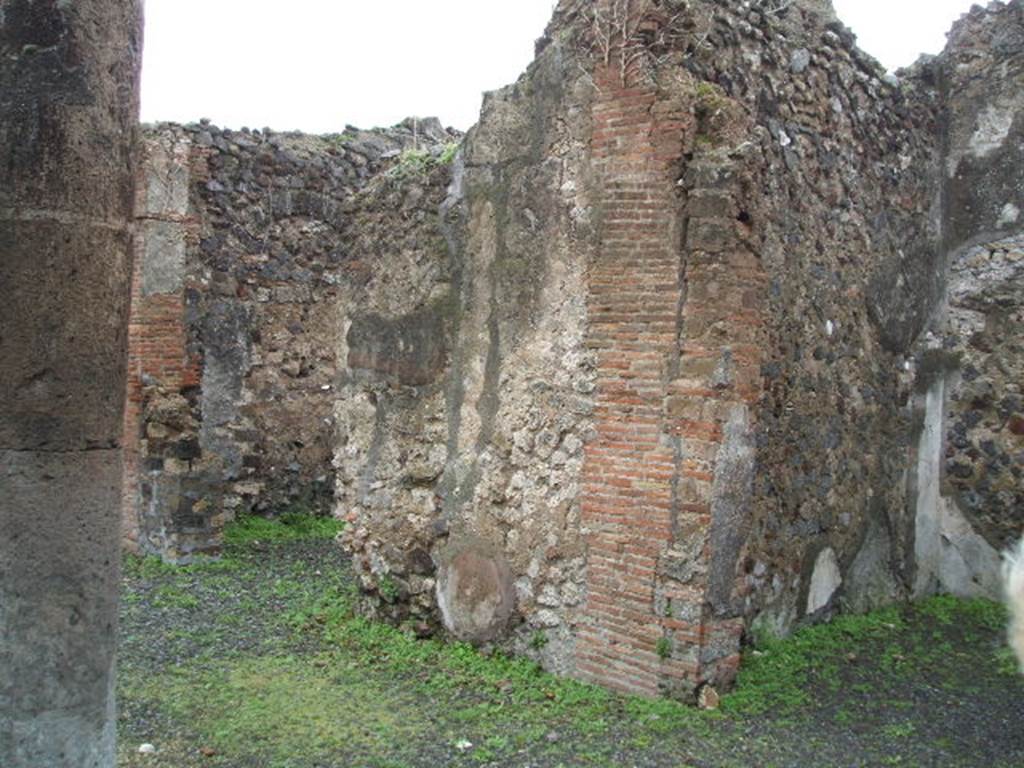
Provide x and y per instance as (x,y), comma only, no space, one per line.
(661,313)
(156,354)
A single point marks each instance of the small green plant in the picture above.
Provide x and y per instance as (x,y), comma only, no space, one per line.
(415,162)
(145,567)
(170,596)
(899,730)
(706,90)
(538,640)
(411,163)
(843,717)
(387,588)
(449,153)
(291,526)
(339,139)
(664,647)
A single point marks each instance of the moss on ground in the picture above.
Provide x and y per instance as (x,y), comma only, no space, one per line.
(291,526)
(274,668)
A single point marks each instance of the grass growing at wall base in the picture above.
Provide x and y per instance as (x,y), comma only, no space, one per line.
(782,675)
(240,536)
(290,677)
(291,526)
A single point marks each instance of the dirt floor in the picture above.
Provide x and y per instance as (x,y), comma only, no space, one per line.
(258,662)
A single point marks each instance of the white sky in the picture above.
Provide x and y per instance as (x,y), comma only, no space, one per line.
(317,65)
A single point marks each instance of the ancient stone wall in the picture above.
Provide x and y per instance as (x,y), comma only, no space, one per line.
(710,326)
(813,150)
(965,489)
(739,238)
(245,257)
(479,520)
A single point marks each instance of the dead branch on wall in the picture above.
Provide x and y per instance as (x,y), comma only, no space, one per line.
(638,36)
(774,7)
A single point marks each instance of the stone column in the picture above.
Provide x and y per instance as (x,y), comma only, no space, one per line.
(68,112)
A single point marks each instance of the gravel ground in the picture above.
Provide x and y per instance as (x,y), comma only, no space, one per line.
(247,664)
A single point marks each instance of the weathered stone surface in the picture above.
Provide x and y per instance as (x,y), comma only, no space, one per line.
(256,249)
(409,348)
(983,454)
(61,389)
(68,100)
(871,580)
(731,495)
(985,131)
(59,607)
(475,593)
(660,356)
(825,581)
(967,489)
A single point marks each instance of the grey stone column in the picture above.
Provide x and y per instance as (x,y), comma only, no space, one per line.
(68,115)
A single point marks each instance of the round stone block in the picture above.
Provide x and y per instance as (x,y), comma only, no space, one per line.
(475,593)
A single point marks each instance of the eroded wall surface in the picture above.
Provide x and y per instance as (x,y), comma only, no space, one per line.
(479,521)
(966,486)
(246,258)
(754,264)
(710,325)
(69,106)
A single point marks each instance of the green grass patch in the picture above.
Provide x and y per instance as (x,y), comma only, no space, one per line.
(781,676)
(152,567)
(291,526)
(174,596)
(282,711)
(971,614)
(327,686)
(776,675)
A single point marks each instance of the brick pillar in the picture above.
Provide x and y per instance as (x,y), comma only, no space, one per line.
(635,295)
(674,314)
(157,355)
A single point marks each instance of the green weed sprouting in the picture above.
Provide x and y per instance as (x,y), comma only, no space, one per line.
(664,647)
(291,526)
(418,162)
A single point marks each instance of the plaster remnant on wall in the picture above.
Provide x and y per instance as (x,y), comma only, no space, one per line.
(993,128)
(870,580)
(825,580)
(927,523)
(1010,214)
(949,555)
(731,495)
(164,257)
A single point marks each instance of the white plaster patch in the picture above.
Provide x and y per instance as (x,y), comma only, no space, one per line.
(1009,215)
(825,581)
(167,176)
(992,129)
(951,557)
